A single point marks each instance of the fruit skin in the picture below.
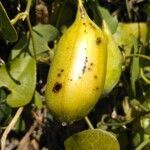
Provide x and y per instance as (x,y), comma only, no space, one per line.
(114,62)
(77,74)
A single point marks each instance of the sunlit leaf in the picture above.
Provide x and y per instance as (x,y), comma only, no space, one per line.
(7,31)
(92,140)
(19,77)
(38,100)
(111,21)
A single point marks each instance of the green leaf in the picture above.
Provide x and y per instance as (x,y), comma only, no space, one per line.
(111,21)
(145,123)
(146,9)
(42,34)
(135,69)
(7,31)
(5,110)
(19,77)
(92,140)
(21,48)
(20,125)
(38,100)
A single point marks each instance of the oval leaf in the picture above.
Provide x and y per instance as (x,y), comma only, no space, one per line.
(96,139)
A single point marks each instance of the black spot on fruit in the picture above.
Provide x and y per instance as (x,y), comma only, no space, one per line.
(62,70)
(83,70)
(89,69)
(91,64)
(58,75)
(98,40)
(97,88)
(84,23)
(92,25)
(57,87)
(95,76)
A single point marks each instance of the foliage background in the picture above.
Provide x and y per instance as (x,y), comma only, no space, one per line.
(125,111)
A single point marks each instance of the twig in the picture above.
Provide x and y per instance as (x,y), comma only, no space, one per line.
(19,16)
(143,144)
(128,10)
(88,122)
(9,128)
(138,55)
(144,77)
(22,15)
(25,139)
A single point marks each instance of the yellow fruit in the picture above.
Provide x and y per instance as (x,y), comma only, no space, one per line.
(77,74)
(114,62)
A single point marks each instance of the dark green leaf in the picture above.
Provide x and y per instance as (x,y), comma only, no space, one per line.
(5,110)
(20,125)
(21,48)
(146,9)
(7,31)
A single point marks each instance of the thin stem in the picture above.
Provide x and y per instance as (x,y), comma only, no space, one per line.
(9,128)
(28,6)
(143,76)
(143,144)
(128,10)
(19,16)
(32,37)
(114,123)
(141,70)
(30,26)
(22,15)
(138,55)
(88,122)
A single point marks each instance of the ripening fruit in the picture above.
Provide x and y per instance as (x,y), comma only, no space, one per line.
(77,74)
(114,62)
